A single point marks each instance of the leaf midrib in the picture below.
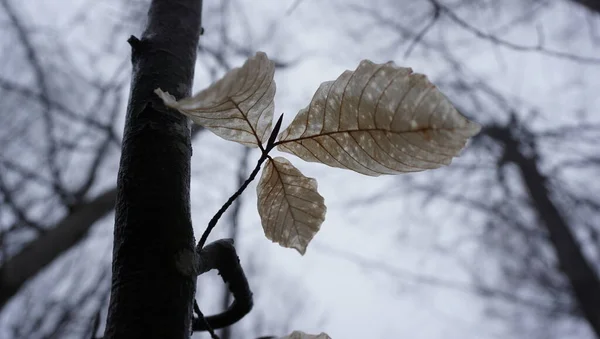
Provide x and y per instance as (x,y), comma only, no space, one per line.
(426,129)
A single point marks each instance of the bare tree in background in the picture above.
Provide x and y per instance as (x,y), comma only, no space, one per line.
(528,176)
(58,134)
(233,230)
(60,141)
(68,217)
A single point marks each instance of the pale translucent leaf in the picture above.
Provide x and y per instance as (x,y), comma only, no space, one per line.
(378,119)
(290,208)
(302,335)
(238,107)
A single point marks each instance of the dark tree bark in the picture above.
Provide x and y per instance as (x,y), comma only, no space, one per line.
(154,280)
(582,277)
(592,5)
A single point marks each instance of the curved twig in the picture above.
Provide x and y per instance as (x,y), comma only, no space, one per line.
(221,255)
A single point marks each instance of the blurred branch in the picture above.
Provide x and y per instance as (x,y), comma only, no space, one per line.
(101,152)
(25,173)
(420,279)
(592,5)
(234,218)
(220,56)
(72,309)
(60,108)
(293,7)
(435,191)
(49,245)
(42,82)
(494,39)
(570,130)
(419,36)
(56,240)
(19,211)
(581,274)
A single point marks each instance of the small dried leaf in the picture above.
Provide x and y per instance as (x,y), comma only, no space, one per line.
(238,107)
(378,119)
(302,335)
(290,208)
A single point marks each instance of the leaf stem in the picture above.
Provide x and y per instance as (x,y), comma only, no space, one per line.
(213,222)
(265,155)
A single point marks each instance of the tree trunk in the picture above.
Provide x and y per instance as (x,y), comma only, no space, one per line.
(582,277)
(153,282)
(592,5)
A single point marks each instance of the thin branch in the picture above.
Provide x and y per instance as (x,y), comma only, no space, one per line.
(570,130)
(60,108)
(481,291)
(213,222)
(20,213)
(493,38)
(234,219)
(219,56)
(264,156)
(25,173)
(101,153)
(293,7)
(41,80)
(421,34)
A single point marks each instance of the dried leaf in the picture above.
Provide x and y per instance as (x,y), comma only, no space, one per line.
(290,208)
(302,335)
(379,119)
(238,107)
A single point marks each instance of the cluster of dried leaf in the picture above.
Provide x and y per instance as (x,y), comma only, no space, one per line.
(378,119)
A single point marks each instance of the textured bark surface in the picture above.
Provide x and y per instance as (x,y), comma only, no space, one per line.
(151,295)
